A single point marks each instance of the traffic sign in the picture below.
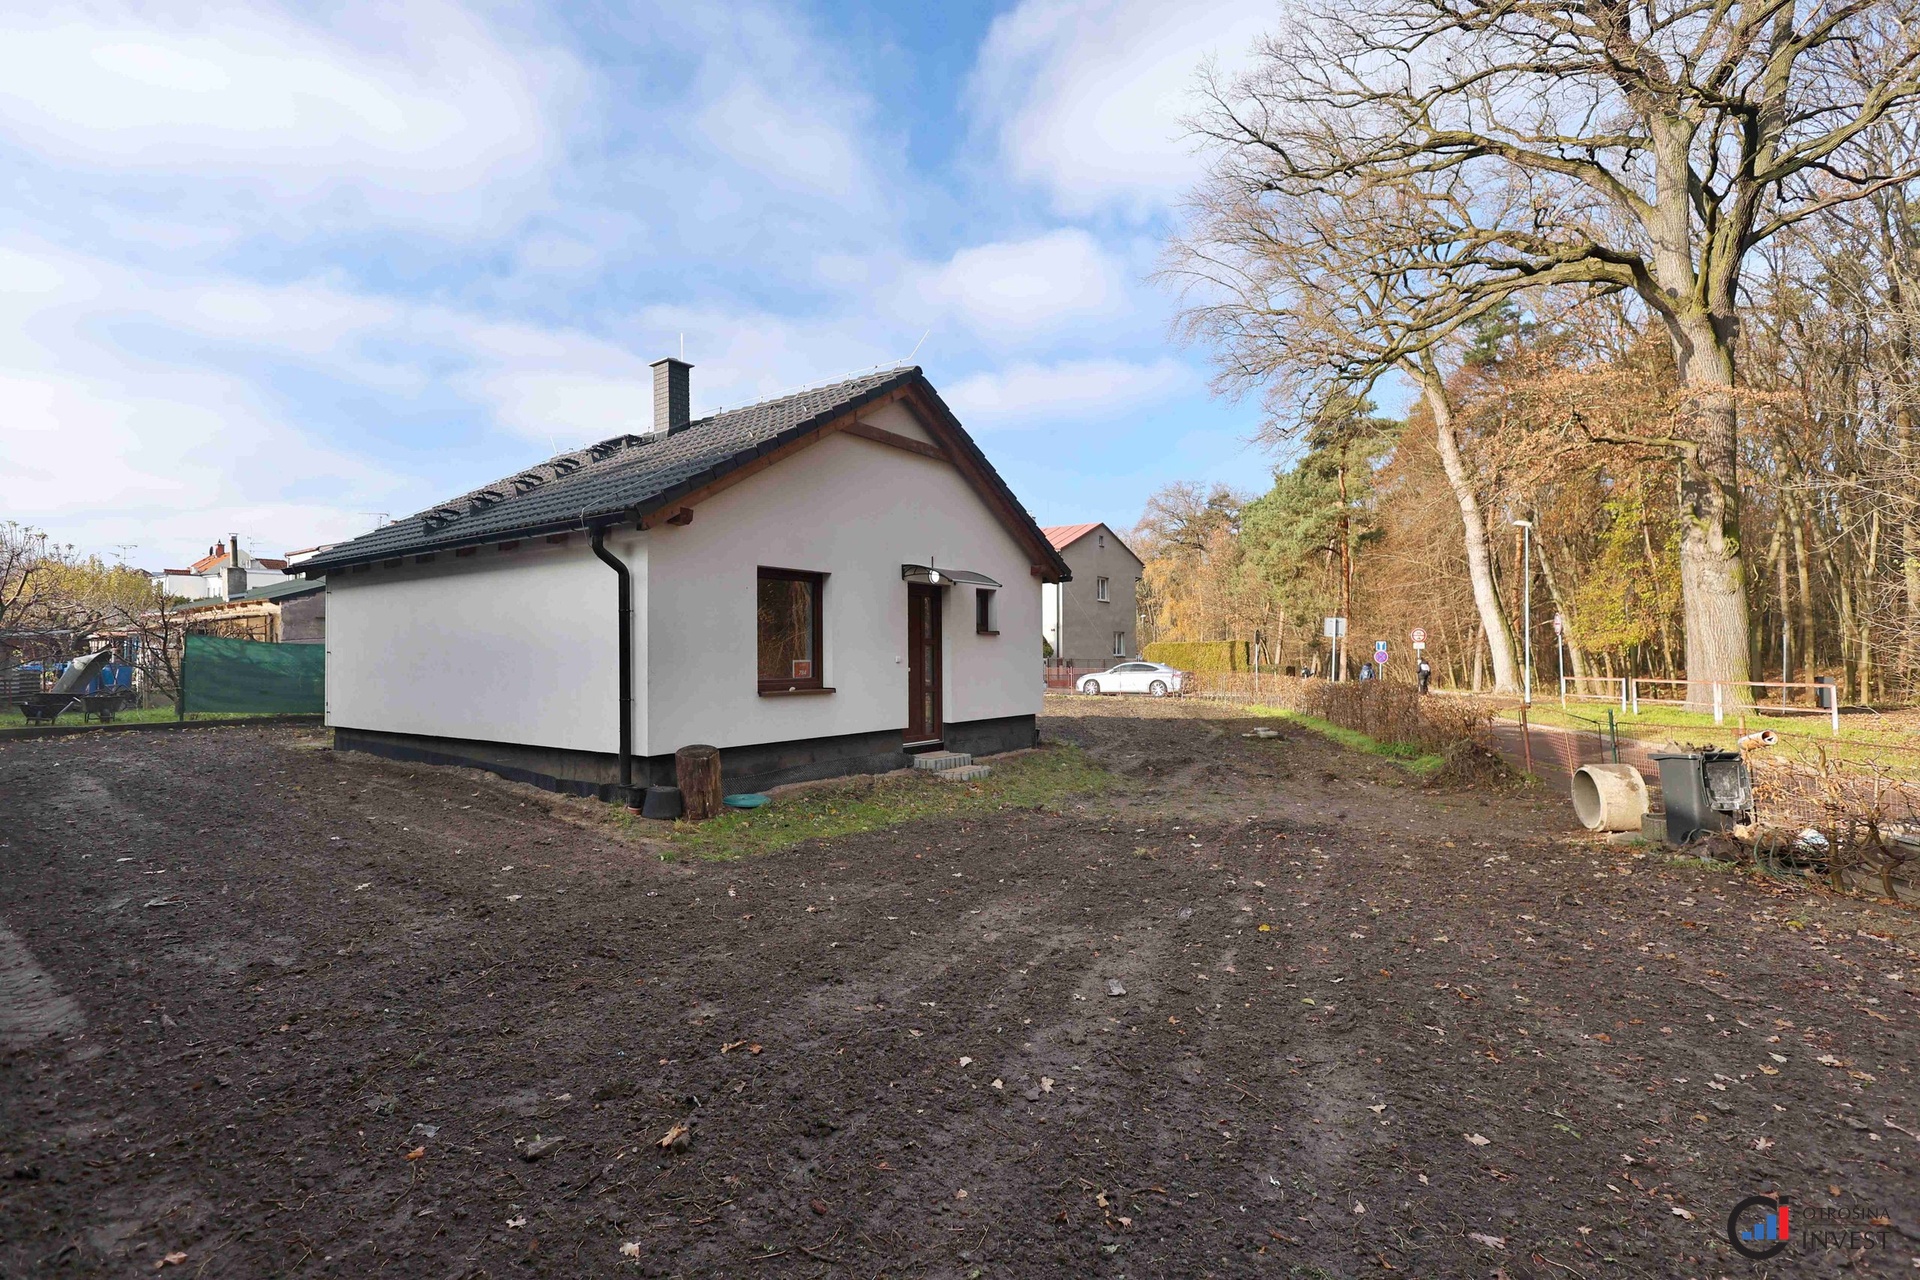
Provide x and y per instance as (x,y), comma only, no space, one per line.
(1379,646)
(1335,628)
(1419,637)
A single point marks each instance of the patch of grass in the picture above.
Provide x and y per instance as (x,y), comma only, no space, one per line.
(1412,758)
(1692,863)
(10,717)
(1034,780)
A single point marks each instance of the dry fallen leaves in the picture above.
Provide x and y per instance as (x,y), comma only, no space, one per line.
(1476,1139)
(631,1249)
(171,1260)
(1678,1212)
(1492,1242)
(676,1137)
(416,1153)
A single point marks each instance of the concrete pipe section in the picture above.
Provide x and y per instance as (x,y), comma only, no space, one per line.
(1609,797)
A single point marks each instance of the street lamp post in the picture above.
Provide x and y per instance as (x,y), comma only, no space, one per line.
(1526,594)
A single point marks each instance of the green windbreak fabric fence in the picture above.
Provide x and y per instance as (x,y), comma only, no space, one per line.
(248,676)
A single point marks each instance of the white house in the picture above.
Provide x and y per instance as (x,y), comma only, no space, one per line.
(817,585)
(226,570)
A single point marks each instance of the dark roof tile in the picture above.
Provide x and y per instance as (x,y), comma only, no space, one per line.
(612,477)
(635,474)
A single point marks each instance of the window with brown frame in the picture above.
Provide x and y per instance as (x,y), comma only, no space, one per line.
(789,630)
(984,620)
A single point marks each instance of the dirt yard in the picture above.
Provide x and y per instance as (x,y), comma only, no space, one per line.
(1270,1009)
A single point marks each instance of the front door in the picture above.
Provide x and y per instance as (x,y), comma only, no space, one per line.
(923,663)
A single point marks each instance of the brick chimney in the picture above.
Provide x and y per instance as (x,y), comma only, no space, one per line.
(672,396)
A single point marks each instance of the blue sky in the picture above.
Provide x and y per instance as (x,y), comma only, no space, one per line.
(276,270)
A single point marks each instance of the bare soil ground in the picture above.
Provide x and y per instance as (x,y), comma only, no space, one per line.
(266,1009)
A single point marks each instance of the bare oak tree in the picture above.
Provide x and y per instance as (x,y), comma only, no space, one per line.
(1646,148)
(1301,293)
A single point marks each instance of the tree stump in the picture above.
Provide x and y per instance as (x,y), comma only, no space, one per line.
(697,771)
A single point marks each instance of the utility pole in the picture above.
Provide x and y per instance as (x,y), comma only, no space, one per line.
(1526,590)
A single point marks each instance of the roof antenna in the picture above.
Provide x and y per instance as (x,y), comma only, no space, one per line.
(916,346)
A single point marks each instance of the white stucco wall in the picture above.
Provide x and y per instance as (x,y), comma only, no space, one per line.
(856,511)
(519,646)
(501,646)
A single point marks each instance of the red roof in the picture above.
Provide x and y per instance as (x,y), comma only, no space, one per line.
(207,564)
(1063,536)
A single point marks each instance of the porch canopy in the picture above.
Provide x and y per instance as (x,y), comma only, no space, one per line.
(945,577)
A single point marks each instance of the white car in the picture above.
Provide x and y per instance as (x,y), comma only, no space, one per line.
(1156,678)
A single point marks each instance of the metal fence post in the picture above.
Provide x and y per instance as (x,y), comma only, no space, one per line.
(1633,688)
(1833,704)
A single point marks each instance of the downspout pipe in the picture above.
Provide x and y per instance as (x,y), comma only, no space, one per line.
(619,567)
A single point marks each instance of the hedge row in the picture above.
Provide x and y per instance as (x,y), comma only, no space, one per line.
(1202,656)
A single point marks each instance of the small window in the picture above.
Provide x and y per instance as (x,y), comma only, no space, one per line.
(1103,540)
(789,625)
(1100,589)
(1119,640)
(985,616)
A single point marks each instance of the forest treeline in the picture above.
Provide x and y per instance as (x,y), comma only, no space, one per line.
(1646,277)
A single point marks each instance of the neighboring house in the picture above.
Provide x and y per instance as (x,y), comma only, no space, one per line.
(1091,619)
(817,585)
(297,558)
(291,611)
(225,571)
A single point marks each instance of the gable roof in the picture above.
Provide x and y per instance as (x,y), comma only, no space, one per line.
(630,477)
(1063,536)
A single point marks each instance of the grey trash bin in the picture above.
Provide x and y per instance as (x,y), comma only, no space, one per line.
(1704,791)
(1825,692)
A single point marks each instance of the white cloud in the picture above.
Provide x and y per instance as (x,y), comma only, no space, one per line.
(787,140)
(1085,97)
(103,450)
(124,424)
(1035,395)
(1015,289)
(770,95)
(397,118)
